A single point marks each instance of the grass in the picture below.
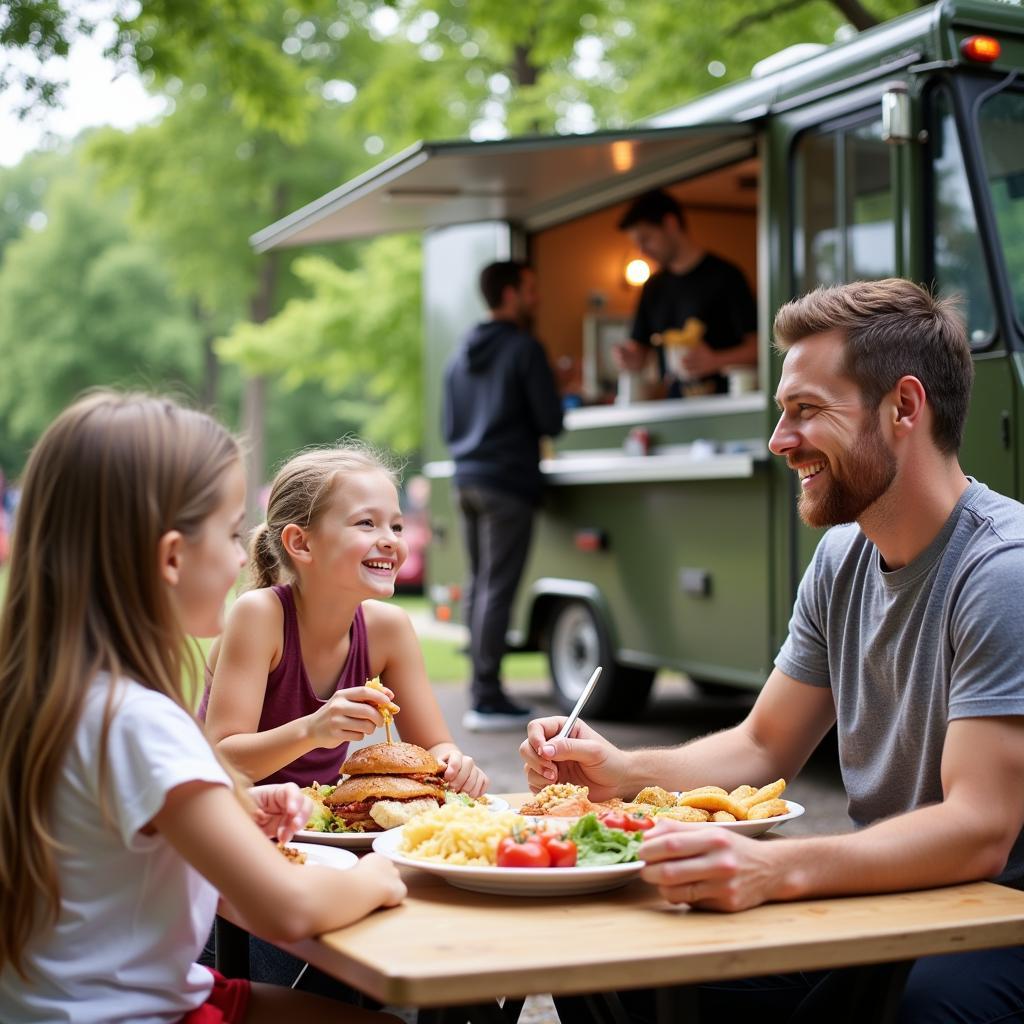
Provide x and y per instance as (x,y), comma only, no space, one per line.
(445,663)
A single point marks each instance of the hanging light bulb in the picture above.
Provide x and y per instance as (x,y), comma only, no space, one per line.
(637,271)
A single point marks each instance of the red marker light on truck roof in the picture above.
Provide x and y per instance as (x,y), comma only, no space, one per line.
(984,49)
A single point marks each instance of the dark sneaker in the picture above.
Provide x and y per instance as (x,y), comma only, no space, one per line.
(497,715)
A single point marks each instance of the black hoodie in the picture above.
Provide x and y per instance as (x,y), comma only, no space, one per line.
(499,400)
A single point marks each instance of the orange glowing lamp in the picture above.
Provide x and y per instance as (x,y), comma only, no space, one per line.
(637,271)
(983,49)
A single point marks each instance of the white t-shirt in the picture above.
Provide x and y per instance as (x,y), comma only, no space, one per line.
(133,915)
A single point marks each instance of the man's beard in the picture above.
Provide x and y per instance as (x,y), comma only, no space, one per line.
(868,469)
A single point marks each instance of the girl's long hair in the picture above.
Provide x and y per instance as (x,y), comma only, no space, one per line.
(110,476)
(301,491)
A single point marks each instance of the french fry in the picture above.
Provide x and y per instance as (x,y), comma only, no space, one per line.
(388,710)
(723,816)
(770,792)
(714,802)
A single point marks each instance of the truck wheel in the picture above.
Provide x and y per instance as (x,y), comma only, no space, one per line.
(578,642)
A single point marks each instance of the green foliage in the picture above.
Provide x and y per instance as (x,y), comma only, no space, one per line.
(82,304)
(358,332)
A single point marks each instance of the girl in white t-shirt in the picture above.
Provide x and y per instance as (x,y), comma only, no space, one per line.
(119,823)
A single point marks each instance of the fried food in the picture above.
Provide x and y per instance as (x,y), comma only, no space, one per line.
(713,802)
(695,814)
(655,796)
(713,790)
(767,809)
(290,853)
(560,799)
(742,792)
(721,816)
(387,711)
(770,792)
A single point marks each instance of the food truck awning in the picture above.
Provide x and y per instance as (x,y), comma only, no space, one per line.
(533,181)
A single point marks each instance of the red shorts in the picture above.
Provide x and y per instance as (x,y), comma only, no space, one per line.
(227,1003)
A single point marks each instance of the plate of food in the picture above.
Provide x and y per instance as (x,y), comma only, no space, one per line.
(505,854)
(383,786)
(309,853)
(749,810)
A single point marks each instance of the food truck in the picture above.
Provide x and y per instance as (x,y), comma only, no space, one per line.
(668,537)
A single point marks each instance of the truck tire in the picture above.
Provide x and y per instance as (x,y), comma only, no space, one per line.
(577,643)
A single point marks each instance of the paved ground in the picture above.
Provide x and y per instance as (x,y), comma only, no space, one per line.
(677,712)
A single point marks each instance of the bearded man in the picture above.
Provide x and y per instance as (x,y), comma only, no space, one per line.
(906,634)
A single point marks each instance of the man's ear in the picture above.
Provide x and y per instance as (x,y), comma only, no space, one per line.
(169,551)
(295,542)
(907,402)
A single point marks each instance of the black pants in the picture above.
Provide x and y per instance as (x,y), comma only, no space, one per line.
(496,529)
(983,987)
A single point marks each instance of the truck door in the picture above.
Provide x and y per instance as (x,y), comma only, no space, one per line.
(956,262)
(846,223)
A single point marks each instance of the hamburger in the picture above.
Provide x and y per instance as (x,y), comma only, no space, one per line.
(387,784)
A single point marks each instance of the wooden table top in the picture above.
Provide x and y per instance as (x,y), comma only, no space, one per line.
(445,946)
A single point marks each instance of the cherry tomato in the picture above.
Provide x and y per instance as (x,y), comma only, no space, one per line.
(562,852)
(626,822)
(530,853)
(616,819)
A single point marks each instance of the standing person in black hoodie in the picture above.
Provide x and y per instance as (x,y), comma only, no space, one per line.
(500,399)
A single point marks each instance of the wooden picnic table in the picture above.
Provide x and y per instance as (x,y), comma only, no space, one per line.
(444,947)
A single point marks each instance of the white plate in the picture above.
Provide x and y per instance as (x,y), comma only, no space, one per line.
(364,840)
(328,855)
(514,881)
(745,828)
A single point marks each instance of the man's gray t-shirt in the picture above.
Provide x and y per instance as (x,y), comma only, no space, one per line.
(905,652)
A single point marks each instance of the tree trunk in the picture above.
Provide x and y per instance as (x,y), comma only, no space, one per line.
(210,387)
(254,404)
(856,14)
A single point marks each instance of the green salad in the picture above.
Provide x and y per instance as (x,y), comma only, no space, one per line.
(596,844)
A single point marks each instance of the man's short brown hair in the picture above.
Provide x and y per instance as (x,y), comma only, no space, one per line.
(892,328)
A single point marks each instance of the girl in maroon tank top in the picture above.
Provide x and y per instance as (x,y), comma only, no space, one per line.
(288,692)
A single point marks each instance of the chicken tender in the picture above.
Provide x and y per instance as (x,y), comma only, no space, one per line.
(655,796)
(767,809)
(693,814)
(742,792)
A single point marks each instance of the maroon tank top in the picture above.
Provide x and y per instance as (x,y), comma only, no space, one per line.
(289,695)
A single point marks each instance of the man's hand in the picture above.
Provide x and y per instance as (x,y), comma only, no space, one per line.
(281,810)
(700,361)
(711,868)
(631,355)
(585,758)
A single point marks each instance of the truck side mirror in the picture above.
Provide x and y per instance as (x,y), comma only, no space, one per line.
(896,126)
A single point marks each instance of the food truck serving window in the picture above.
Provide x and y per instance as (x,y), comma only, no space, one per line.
(1001,126)
(958,263)
(845,218)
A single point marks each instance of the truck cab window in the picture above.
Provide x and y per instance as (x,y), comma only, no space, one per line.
(1001,123)
(958,264)
(845,218)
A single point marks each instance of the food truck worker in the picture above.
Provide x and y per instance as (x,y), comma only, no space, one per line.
(500,399)
(696,301)
(906,634)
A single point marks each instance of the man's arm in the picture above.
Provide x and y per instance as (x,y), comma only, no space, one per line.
(966,837)
(783,728)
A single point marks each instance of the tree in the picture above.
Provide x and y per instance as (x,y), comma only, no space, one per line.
(82,304)
(361,341)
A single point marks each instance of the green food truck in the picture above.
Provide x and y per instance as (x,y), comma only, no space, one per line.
(668,537)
